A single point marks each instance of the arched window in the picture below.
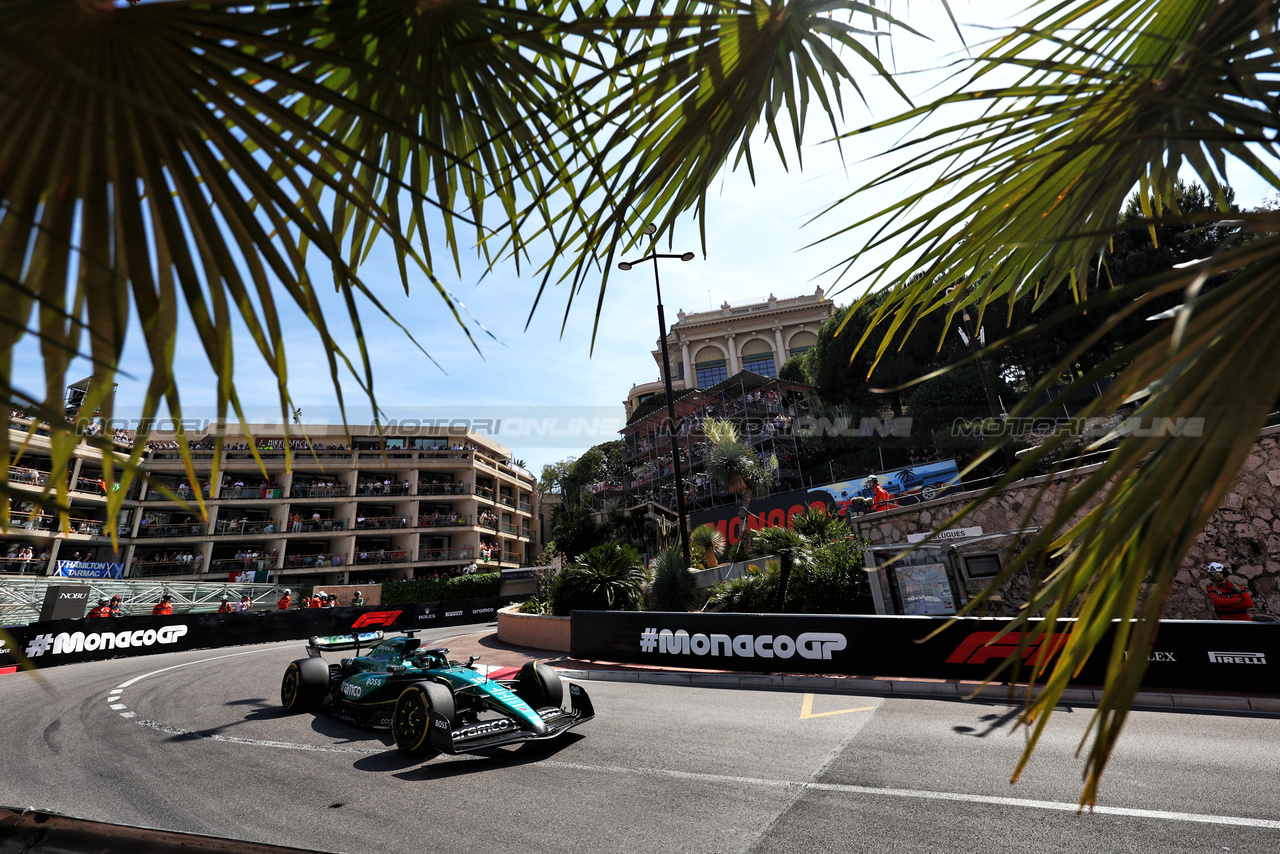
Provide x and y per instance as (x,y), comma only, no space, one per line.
(757,357)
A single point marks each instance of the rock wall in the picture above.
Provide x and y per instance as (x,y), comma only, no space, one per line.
(1244,533)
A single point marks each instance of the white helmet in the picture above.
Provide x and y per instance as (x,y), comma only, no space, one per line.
(288,592)
(1214,566)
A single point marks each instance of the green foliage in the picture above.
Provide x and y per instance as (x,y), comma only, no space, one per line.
(674,587)
(441,589)
(832,580)
(608,577)
(813,524)
(705,545)
(544,582)
(746,594)
(772,541)
(792,369)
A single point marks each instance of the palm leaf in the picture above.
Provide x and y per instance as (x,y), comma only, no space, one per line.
(1111,96)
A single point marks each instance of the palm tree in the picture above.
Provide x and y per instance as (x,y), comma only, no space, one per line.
(203,157)
(706,542)
(1079,105)
(737,466)
(674,587)
(608,577)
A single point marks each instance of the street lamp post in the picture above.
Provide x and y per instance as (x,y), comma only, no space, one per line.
(971,341)
(666,376)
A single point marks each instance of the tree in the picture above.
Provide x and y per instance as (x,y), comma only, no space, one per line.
(1021,200)
(674,587)
(242,145)
(706,542)
(608,577)
(736,465)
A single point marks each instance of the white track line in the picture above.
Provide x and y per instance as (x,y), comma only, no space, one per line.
(1056,806)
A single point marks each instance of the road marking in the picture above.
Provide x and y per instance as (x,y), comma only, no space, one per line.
(254,742)
(807,712)
(1055,806)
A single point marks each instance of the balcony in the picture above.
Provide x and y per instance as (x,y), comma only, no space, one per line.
(234,492)
(444,520)
(320,561)
(484,492)
(245,526)
(240,564)
(453,555)
(376,488)
(509,529)
(164,529)
(301,491)
(364,523)
(152,568)
(526,507)
(311,526)
(183,494)
(367,557)
(29,477)
(444,488)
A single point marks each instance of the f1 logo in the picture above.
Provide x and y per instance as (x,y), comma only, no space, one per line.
(981,647)
(376,618)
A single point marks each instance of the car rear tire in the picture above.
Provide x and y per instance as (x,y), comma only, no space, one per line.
(411,723)
(305,684)
(539,685)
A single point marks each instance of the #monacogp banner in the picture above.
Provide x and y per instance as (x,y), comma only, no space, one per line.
(1206,655)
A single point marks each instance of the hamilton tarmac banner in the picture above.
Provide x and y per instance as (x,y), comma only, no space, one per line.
(1188,655)
(55,642)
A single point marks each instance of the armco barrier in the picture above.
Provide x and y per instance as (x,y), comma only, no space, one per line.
(56,642)
(1188,654)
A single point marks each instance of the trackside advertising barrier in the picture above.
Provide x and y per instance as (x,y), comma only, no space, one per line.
(48,644)
(1188,654)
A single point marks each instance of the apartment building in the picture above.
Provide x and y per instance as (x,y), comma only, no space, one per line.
(419,502)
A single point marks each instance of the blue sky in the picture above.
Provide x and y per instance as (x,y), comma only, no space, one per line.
(756,238)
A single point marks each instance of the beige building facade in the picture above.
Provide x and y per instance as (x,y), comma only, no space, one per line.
(417,503)
(757,335)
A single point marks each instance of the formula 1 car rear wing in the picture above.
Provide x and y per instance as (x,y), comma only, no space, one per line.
(317,645)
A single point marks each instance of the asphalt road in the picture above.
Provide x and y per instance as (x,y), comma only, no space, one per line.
(194,742)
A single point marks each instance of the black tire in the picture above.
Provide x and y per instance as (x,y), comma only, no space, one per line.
(411,723)
(305,685)
(539,685)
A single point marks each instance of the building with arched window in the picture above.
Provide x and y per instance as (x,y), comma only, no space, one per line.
(757,335)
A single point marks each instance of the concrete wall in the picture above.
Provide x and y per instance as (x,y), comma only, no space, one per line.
(1244,533)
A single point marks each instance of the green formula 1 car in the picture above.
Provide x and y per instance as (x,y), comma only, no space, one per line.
(431,704)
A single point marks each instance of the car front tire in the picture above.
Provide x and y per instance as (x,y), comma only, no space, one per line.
(539,685)
(411,723)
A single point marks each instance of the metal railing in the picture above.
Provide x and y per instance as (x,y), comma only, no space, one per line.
(245,526)
(463,553)
(526,507)
(444,488)
(365,557)
(150,568)
(165,529)
(444,520)
(242,492)
(370,522)
(29,476)
(509,529)
(484,492)
(21,598)
(376,488)
(311,526)
(299,491)
(318,561)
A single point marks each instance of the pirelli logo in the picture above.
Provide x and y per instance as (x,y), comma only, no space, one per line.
(1237,657)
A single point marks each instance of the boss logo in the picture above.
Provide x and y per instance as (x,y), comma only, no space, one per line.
(440,723)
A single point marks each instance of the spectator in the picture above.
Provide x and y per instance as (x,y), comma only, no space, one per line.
(164,607)
(1230,600)
(246,604)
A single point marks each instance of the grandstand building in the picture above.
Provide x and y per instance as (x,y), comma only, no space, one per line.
(417,503)
(708,347)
